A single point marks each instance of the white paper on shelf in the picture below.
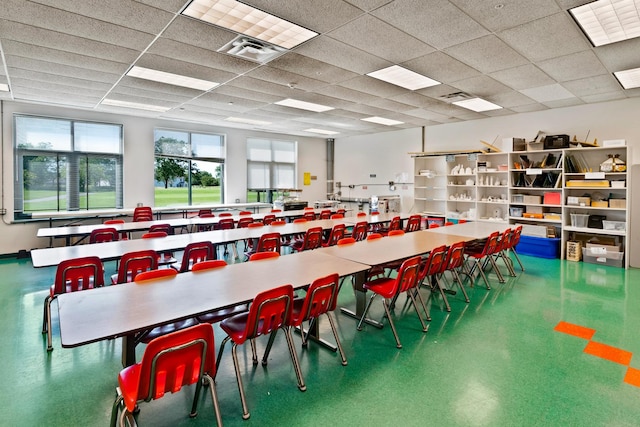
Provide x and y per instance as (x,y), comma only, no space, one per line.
(533,171)
(594,175)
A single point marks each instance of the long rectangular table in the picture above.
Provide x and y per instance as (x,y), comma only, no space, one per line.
(123,310)
(472,230)
(83,231)
(114,250)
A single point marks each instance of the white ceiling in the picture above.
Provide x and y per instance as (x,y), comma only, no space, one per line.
(527,55)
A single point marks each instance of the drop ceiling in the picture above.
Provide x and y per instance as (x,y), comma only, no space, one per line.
(524,55)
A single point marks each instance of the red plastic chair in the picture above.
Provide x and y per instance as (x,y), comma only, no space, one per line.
(142,213)
(226,224)
(502,251)
(361,214)
(342,212)
(123,235)
(263,255)
(434,225)
(206,212)
(360,231)
(346,241)
(312,240)
(395,224)
(148,336)
(414,223)
(462,221)
(107,234)
(167,258)
(270,310)
(448,223)
(169,362)
(134,263)
(515,239)
(325,214)
(336,216)
(389,289)
(276,210)
(430,268)
(454,264)
(195,253)
(208,265)
(255,224)
(225,214)
(278,222)
(310,216)
(268,219)
(244,222)
(268,242)
(206,227)
(337,233)
(72,275)
(374,236)
(161,227)
(396,233)
(321,298)
(477,256)
(300,220)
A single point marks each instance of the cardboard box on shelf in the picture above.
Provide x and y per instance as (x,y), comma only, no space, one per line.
(618,203)
(533,200)
(574,250)
(599,204)
(534,209)
(552,198)
(578,201)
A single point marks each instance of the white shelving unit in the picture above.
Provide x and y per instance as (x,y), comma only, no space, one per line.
(493,187)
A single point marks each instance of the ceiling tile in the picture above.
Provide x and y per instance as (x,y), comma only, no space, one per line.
(373,86)
(487,54)
(593,85)
(548,93)
(620,56)
(441,67)
(497,16)
(482,86)
(285,78)
(369,5)
(572,67)
(341,55)
(311,67)
(170,65)
(63,70)
(522,77)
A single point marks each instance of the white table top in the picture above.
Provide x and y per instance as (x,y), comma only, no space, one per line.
(472,230)
(127,308)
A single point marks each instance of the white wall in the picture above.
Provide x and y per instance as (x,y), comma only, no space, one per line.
(138,164)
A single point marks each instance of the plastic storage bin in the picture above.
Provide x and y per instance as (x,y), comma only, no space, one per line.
(594,256)
(542,247)
(515,211)
(614,225)
(579,220)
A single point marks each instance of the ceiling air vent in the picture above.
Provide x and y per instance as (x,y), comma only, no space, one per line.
(252,49)
(455,97)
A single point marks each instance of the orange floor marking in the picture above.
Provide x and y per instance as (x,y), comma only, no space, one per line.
(607,352)
(575,330)
(632,377)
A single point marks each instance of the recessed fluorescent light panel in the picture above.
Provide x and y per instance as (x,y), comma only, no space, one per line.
(170,78)
(127,104)
(608,21)
(382,121)
(629,79)
(402,77)
(249,21)
(477,104)
(310,106)
(246,121)
(4,87)
(322,131)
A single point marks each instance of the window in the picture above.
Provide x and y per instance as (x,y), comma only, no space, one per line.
(271,165)
(64,164)
(189,168)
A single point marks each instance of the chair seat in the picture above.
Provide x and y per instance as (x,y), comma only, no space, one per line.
(235,327)
(167,329)
(382,286)
(219,315)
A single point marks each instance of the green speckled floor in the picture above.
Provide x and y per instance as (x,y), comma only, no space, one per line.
(494,362)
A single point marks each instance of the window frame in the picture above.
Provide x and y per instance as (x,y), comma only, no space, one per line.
(77,155)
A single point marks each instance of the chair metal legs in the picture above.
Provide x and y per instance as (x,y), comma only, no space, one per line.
(517,258)
(46,321)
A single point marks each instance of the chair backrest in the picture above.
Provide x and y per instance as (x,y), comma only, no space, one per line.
(79,274)
(255,224)
(395,224)
(268,219)
(515,236)
(276,210)
(146,276)
(434,263)
(209,265)
(342,212)
(504,242)
(448,223)
(308,208)
(310,216)
(242,213)
(462,221)
(257,256)
(374,236)
(312,239)
(279,222)
(134,263)
(360,230)
(205,212)
(142,213)
(175,360)
(346,241)
(455,257)
(336,216)
(195,253)
(434,225)
(396,233)
(99,235)
(408,274)
(337,233)
(325,214)
(269,311)
(244,222)
(321,297)
(300,220)
(123,234)
(491,244)
(413,223)
(269,242)
(161,227)
(206,215)
(361,214)
(154,234)
(225,214)
(226,223)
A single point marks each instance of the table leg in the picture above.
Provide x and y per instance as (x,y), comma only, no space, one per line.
(361,301)
(128,350)
(313,334)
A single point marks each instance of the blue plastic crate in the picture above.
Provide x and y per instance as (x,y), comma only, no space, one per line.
(542,247)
